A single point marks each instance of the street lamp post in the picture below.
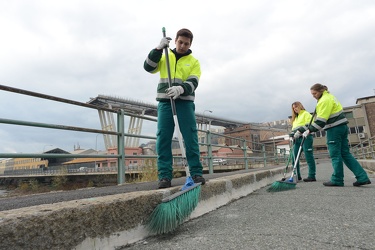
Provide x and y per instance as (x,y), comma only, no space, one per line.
(209,125)
(206,139)
(205,117)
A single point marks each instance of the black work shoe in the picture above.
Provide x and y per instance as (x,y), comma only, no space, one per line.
(309,179)
(199,179)
(299,178)
(165,183)
(330,184)
(357,183)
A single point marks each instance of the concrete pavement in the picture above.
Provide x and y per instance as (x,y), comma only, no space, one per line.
(311,216)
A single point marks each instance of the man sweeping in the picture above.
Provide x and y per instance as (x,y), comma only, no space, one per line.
(185,74)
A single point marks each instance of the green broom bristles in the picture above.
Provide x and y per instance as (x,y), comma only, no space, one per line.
(278,186)
(174,210)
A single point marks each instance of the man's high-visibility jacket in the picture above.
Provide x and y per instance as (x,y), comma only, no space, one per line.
(185,72)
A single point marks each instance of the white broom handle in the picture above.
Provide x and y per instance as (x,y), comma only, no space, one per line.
(183,153)
(174,112)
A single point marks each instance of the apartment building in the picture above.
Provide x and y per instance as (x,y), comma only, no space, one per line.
(361,125)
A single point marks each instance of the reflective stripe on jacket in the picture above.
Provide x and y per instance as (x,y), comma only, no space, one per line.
(185,72)
(329,113)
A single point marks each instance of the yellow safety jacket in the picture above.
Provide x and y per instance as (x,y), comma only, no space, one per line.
(185,72)
(301,121)
(329,113)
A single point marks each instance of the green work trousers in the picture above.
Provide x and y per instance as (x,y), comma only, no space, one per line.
(338,148)
(307,149)
(186,120)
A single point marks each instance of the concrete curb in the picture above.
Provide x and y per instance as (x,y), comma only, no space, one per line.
(113,221)
(368,164)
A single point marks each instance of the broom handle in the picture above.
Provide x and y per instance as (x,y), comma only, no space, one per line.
(300,147)
(289,158)
(173,105)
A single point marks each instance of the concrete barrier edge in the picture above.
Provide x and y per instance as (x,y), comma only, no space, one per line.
(113,221)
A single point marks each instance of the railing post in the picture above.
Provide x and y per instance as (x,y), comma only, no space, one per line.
(285,156)
(371,147)
(245,154)
(209,151)
(264,155)
(121,147)
(363,150)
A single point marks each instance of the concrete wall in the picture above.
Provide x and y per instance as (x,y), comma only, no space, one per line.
(112,221)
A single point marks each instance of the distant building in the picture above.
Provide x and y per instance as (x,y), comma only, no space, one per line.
(367,105)
(254,135)
(21,164)
(361,125)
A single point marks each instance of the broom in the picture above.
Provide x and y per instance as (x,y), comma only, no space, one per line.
(291,183)
(291,154)
(284,184)
(174,209)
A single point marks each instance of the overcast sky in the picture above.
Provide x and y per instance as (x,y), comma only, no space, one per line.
(257,57)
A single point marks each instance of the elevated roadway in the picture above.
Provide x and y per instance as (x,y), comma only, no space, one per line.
(139,108)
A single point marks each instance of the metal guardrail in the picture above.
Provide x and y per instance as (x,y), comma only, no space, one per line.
(263,156)
(120,131)
(365,150)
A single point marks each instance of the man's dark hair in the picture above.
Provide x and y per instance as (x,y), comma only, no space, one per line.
(186,33)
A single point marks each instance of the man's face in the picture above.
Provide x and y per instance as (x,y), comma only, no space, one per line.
(182,44)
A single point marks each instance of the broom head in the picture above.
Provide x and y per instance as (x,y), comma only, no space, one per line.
(174,210)
(278,186)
